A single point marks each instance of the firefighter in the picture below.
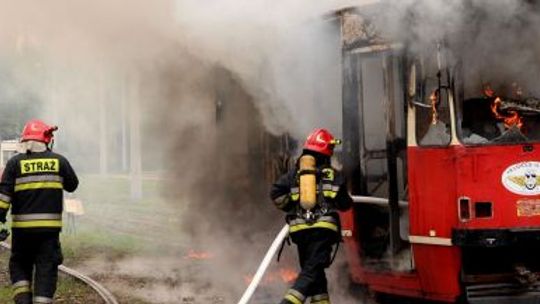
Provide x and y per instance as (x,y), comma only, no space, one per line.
(311,194)
(32,185)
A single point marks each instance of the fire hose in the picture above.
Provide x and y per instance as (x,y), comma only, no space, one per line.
(308,200)
(264,265)
(281,237)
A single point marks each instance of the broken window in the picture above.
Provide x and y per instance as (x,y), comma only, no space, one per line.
(432,101)
(494,113)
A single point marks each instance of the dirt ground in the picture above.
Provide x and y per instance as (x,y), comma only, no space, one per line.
(71,290)
(137,251)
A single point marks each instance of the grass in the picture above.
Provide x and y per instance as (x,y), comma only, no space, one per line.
(113,226)
(113,222)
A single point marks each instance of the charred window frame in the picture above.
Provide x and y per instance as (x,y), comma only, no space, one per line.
(431,90)
(478,126)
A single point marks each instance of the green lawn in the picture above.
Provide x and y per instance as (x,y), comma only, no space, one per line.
(113,226)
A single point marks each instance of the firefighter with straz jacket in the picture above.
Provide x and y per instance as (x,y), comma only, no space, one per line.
(311,194)
(32,185)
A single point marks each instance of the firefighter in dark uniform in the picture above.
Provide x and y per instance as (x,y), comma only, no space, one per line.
(32,186)
(312,215)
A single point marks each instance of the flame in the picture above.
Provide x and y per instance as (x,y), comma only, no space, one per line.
(285,275)
(512,119)
(194,255)
(288,275)
(434,98)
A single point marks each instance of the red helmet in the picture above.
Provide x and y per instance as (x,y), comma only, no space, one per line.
(321,141)
(37,130)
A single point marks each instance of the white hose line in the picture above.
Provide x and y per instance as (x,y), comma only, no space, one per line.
(264,265)
(102,291)
(375,201)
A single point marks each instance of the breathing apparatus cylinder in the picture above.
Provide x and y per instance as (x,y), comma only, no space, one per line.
(308,182)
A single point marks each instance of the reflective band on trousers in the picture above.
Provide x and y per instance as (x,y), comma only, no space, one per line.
(38,182)
(320,299)
(37,220)
(320,302)
(295,297)
(21,287)
(42,300)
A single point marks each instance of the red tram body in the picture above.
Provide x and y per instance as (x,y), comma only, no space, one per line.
(460,217)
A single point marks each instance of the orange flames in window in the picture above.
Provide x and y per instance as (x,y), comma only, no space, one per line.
(510,118)
(434,98)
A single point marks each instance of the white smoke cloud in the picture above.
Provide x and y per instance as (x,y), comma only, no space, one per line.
(496,40)
(284,53)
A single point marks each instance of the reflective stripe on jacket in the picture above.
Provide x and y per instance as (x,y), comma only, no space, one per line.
(32,186)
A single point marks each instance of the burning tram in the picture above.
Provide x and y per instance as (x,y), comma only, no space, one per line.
(444,168)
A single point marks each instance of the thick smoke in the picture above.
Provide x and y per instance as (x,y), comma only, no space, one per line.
(205,81)
(284,53)
(201,84)
(495,40)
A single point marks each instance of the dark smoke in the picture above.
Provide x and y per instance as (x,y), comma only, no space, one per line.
(497,41)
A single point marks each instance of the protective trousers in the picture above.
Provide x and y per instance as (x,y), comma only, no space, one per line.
(314,252)
(35,256)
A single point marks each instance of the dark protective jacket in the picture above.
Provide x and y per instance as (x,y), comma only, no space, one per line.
(32,185)
(332,194)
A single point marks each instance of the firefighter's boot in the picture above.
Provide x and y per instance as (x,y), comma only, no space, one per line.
(23,298)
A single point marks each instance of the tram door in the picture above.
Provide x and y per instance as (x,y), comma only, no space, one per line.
(374,106)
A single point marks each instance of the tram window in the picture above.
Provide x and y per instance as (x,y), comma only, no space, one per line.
(496,114)
(433,120)
(429,86)
(373,94)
